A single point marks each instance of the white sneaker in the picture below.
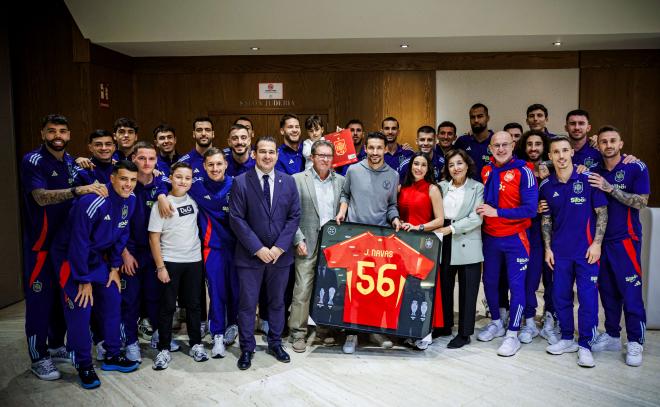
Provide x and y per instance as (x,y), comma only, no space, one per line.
(218,350)
(634,354)
(604,342)
(133,352)
(509,347)
(528,333)
(421,344)
(144,328)
(174,345)
(198,353)
(554,336)
(548,325)
(350,344)
(59,355)
(563,346)
(585,358)
(493,330)
(231,333)
(45,369)
(382,341)
(162,360)
(100,352)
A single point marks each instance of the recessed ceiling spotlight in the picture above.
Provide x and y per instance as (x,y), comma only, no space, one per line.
(404,45)
(254,48)
(557,43)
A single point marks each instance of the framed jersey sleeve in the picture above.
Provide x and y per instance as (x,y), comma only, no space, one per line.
(371,279)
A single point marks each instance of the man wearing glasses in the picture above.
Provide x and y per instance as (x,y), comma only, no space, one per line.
(320,189)
(510,201)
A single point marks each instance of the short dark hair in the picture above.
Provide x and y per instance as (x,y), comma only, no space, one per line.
(213,151)
(98,133)
(468,160)
(125,122)
(479,105)
(354,121)
(577,112)
(429,177)
(447,123)
(144,144)
(287,116)
(124,165)
(202,119)
(537,106)
(557,139)
(389,119)
(269,139)
(313,122)
(426,129)
(164,128)
(375,134)
(608,127)
(237,127)
(322,143)
(244,119)
(522,143)
(54,119)
(512,125)
(179,164)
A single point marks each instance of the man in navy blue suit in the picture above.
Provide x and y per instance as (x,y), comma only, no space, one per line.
(264,212)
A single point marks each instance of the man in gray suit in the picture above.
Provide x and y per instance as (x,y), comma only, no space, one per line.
(320,189)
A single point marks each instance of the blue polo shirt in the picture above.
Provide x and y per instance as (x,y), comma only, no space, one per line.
(100,173)
(479,152)
(119,156)
(400,155)
(588,156)
(41,170)
(164,163)
(196,161)
(212,198)
(572,207)
(234,168)
(146,196)
(622,220)
(437,161)
(290,161)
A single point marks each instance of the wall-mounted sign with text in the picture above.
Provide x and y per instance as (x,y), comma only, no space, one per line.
(104,94)
(271,90)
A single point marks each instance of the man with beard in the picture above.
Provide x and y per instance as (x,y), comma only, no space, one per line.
(476,143)
(395,154)
(426,144)
(125,132)
(102,147)
(50,181)
(537,119)
(247,123)
(357,133)
(165,141)
(290,158)
(619,279)
(203,135)
(578,128)
(239,155)
(446,137)
(515,130)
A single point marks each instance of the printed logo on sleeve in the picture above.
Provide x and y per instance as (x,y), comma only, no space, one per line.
(185,210)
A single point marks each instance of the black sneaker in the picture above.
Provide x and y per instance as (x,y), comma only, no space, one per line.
(120,364)
(88,378)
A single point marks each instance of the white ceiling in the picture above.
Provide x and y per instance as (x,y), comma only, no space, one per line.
(231,27)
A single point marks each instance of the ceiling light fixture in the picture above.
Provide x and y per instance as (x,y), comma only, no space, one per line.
(254,48)
(404,45)
(557,43)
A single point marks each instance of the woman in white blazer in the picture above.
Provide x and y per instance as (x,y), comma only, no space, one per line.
(461,247)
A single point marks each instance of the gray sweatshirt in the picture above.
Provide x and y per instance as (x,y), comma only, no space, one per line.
(371,194)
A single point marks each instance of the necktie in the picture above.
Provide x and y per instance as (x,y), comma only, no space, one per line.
(266,190)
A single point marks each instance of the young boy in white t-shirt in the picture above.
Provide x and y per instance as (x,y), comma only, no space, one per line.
(176,250)
(315,129)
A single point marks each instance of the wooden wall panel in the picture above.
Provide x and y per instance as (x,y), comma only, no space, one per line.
(359,95)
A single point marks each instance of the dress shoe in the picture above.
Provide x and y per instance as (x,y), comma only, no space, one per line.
(279,353)
(438,332)
(458,342)
(245,361)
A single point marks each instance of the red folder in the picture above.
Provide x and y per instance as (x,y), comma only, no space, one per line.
(344,148)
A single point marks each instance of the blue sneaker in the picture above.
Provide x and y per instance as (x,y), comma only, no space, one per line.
(120,364)
(88,378)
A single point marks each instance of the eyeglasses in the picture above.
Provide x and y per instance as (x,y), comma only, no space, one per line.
(503,145)
(324,156)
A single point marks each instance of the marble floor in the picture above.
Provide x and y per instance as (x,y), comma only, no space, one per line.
(323,376)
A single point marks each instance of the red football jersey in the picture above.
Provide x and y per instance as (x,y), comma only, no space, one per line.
(376,271)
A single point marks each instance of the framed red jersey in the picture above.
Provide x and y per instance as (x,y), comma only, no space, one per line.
(344,149)
(371,279)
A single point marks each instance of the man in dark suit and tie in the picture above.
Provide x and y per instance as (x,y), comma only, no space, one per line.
(264,213)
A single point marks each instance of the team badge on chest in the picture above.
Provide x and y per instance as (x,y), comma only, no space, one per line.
(578,187)
(619,176)
(124,212)
(508,176)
